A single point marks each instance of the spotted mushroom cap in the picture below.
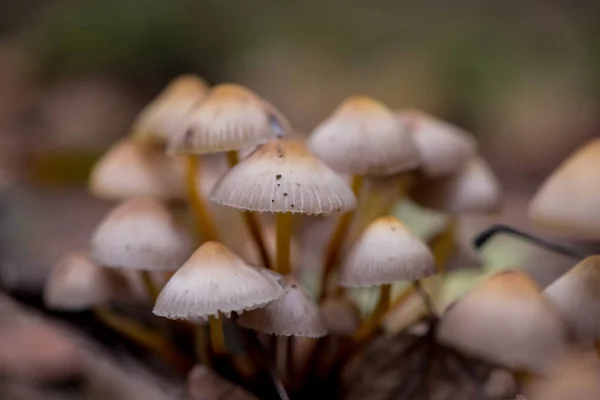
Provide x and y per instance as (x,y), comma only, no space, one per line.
(293,314)
(215,280)
(362,137)
(161,119)
(140,234)
(281,176)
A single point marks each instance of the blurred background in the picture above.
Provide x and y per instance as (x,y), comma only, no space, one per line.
(523,77)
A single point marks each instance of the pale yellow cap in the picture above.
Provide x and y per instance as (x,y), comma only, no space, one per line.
(140,234)
(506,320)
(215,280)
(162,118)
(385,253)
(131,169)
(363,137)
(569,200)
(231,118)
(293,314)
(473,189)
(282,176)
(443,148)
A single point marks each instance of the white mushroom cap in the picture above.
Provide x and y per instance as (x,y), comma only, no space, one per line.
(576,296)
(569,200)
(385,253)
(474,189)
(231,118)
(77,284)
(282,176)
(141,234)
(341,316)
(443,148)
(215,280)
(507,321)
(162,118)
(293,314)
(131,169)
(363,137)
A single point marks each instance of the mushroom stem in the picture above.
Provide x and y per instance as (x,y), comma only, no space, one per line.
(252,221)
(443,245)
(281,358)
(144,337)
(337,239)
(201,344)
(372,323)
(283,224)
(216,335)
(150,285)
(203,218)
(426,298)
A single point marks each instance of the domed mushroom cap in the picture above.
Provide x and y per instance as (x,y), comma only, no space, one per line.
(363,137)
(231,118)
(282,176)
(506,320)
(215,280)
(162,118)
(576,296)
(385,253)
(141,234)
(77,284)
(341,316)
(131,169)
(293,314)
(443,148)
(569,200)
(474,189)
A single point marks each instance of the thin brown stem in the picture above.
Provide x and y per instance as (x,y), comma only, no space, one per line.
(443,245)
(283,224)
(150,285)
(425,297)
(204,221)
(217,338)
(201,344)
(372,323)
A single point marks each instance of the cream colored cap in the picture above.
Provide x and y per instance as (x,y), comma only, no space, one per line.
(363,137)
(293,314)
(569,200)
(215,280)
(162,118)
(131,169)
(507,321)
(576,296)
(282,176)
(385,253)
(443,148)
(231,118)
(341,316)
(474,189)
(77,284)
(141,234)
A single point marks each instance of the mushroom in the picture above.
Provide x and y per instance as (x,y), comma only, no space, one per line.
(473,189)
(362,137)
(215,281)
(162,118)
(140,234)
(443,148)
(506,320)
(385,253)
(576,296)
(568,200)
(131,169)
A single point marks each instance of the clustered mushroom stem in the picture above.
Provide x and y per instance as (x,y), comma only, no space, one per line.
(150,285)
(201,344)
(144,337)
(281,358)
(283,225)
(203,218)
(370,325)
(337,239)
(443,245)
(252,221)
(426,298)
(216,335)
